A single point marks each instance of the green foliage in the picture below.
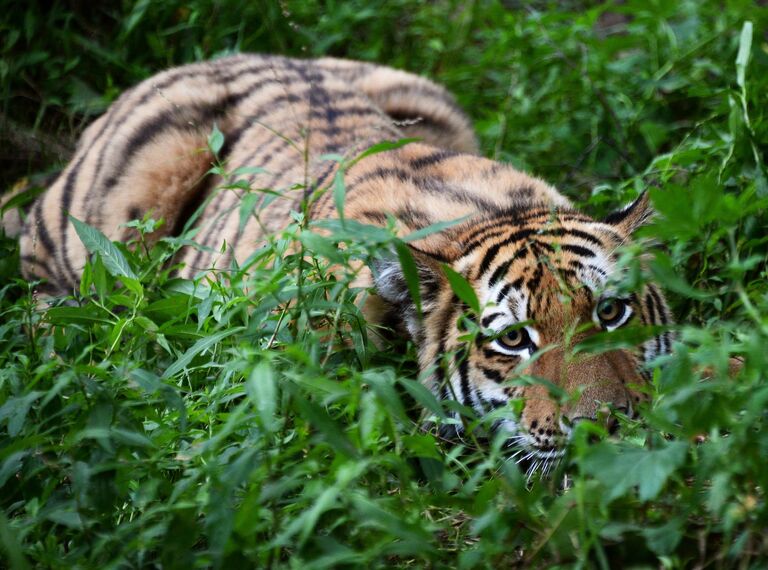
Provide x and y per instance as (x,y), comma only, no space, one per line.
(248,419)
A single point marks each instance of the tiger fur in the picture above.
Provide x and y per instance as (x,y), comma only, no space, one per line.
(527,253)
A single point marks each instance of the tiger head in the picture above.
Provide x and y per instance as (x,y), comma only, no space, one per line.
(544,280)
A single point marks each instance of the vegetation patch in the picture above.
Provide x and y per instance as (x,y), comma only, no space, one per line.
(251,417)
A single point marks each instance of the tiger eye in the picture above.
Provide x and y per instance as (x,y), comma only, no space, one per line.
(516,339)
(610,310)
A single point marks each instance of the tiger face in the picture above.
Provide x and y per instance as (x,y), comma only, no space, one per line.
(545,282)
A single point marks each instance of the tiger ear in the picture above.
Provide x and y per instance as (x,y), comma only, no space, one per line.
(391,284)
(633,215)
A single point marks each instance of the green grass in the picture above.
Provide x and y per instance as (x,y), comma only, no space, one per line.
(252,421)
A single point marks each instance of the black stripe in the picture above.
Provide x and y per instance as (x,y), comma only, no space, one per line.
(486,322)
(571,232)
(33,260)
(431,159)
(500,271)
(651,305)
(321,179)
(480,227)
(382,172)
(232,138)
(533,283)
(493,251)
(492,355)
(377,217)
(577,249)
(618,217)
(66,204)
(433,254)
(443,326)
(40,226)
(470,247)
(504,267)
(666,336)
(197,70)
(466,392)
(503,292)
(521,191)
(660,304)
(615,237)
(440,381)
(332,113)
(538,246)
(519,216)
(482,402)
(492,374)
(413,217)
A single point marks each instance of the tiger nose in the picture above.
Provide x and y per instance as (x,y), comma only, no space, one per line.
(610,423)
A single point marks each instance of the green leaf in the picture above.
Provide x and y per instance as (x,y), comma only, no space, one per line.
(742,58)
(664,539)
(462,288)
(339,193)
(198,348)
(215,140)
(329,428)
(410,272)
(130,438)
(86,315)
(11,545)
(96,242)
(15,411)
(247,205)
(622,468)
(380,147)
(423,396)
(22,198)
(10,466)
(262,391)
(137,13)
(247,170)
(665,272)
(433,229)
(422,446)
(322,245)
(626,337)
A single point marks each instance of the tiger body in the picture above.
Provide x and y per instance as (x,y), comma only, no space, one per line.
(527,253)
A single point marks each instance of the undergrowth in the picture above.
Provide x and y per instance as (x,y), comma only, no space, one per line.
(251,417)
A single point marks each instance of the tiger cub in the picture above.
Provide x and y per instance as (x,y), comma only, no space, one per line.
(532,259)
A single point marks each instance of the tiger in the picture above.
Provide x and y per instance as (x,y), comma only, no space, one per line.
(543,272)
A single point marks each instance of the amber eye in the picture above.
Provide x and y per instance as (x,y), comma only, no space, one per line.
(611,311)
(516,339)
